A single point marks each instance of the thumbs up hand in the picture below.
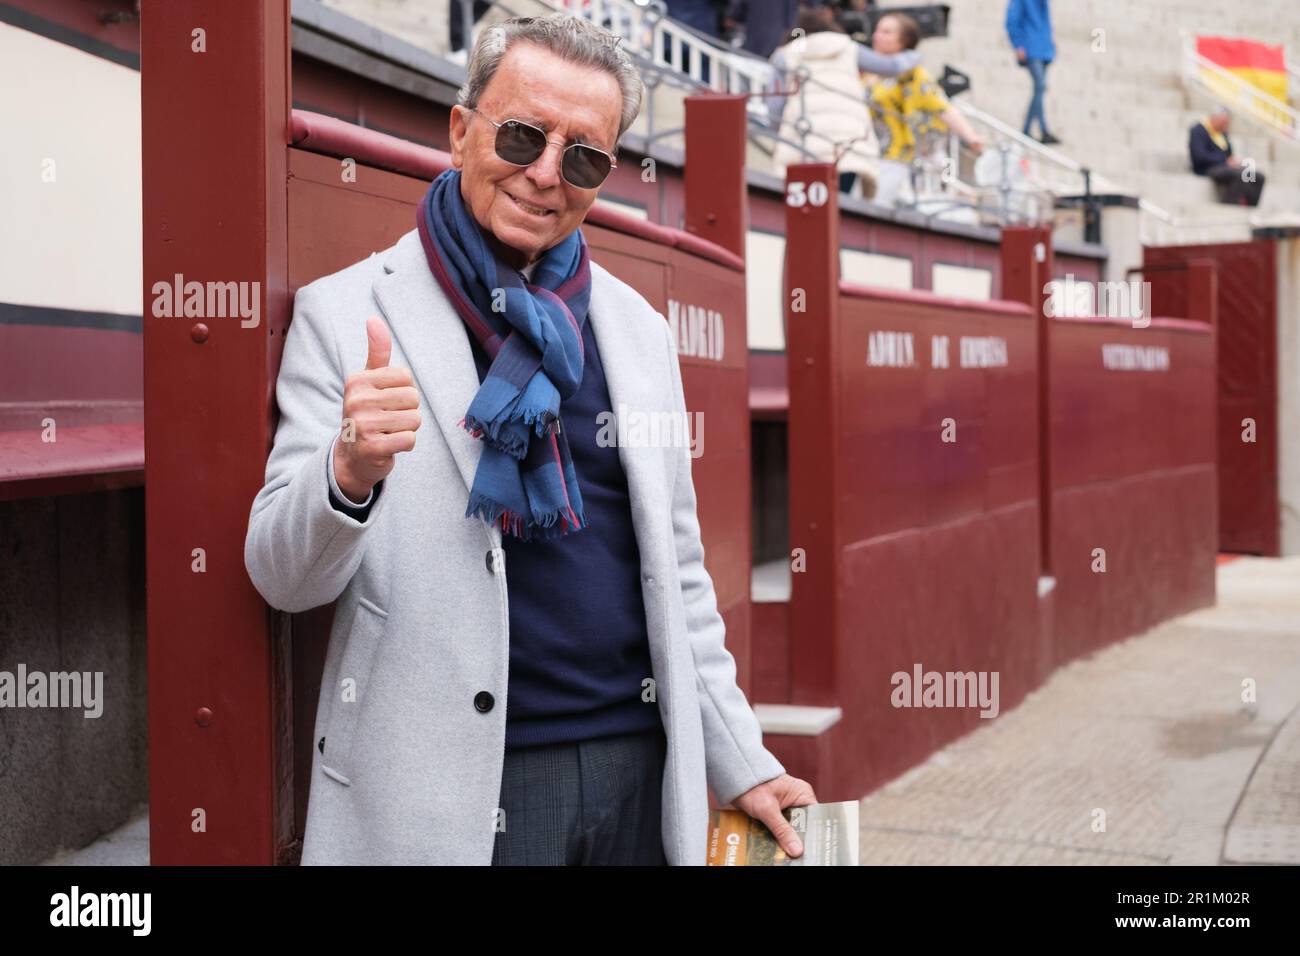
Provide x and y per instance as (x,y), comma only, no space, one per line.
(381,406)
(381,343)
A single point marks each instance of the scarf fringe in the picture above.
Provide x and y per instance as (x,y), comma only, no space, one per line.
(490,432)
(543,421)
(545,526)
(475,431)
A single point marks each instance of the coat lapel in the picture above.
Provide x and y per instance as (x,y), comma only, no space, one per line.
(630,389)
(435,343)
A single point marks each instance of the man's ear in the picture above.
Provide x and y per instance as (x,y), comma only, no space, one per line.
(458,130)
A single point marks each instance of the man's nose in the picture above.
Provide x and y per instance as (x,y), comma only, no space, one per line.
(545,170)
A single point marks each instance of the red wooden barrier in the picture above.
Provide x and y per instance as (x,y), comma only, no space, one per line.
(955,469)
(1128,476)
(1133,478)
(1247,325)
(913,496)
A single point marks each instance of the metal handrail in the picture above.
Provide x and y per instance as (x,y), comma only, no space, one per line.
(921,163)
(645,27)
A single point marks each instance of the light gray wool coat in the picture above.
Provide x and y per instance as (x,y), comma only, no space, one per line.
(411,768)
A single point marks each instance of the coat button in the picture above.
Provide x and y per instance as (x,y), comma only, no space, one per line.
(483,702)
(495,559)
(321,746)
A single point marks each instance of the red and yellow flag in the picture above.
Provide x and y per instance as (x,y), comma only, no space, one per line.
(1260,65)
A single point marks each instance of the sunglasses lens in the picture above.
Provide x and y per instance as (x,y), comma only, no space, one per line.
(585,167)
(519,143)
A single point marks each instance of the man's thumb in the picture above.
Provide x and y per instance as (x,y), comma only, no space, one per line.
(381,343)
(785,834)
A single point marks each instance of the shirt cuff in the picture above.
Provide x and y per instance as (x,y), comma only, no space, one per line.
(340,501)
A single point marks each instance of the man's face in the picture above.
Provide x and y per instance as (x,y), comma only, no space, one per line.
(1220,122)
(533,208)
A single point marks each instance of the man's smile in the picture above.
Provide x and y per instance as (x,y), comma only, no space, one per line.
(540,211)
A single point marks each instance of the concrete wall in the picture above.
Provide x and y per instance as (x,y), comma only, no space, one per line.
(69,179)
(72,599)
(421,22)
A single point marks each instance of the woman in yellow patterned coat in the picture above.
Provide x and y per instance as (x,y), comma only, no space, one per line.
(839,127)
(911,112)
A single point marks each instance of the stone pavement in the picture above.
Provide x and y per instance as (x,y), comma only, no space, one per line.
(128,845)
(1143,753)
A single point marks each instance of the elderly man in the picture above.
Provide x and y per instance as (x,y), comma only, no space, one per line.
(1211,155)
(527,663)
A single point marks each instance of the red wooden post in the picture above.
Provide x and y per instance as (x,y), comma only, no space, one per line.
(215,112)
(717,201)
(812,275)
(1027,268)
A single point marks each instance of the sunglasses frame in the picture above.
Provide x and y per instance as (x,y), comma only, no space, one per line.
(613,164)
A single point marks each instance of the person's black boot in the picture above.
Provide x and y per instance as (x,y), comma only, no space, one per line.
(1047,139)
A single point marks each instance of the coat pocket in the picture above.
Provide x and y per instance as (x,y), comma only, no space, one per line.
(352,687)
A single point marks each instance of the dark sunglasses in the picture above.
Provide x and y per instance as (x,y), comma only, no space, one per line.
(520,144)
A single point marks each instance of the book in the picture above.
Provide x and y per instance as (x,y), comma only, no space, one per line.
(828,831)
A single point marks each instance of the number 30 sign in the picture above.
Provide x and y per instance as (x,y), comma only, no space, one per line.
(806,194)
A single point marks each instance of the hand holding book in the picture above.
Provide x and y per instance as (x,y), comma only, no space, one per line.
(766,801)
(828,832)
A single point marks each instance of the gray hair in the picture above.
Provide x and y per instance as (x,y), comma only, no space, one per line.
(565,35)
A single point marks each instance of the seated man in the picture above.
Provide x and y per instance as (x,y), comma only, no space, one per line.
(1211,153)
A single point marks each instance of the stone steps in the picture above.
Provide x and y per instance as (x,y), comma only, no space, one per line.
(1125,112)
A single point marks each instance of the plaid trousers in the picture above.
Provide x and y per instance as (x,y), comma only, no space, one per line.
(583,803)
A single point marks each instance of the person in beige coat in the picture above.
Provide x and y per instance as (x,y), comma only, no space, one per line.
(826,111)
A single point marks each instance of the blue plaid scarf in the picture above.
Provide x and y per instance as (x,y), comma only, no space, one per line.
(532,331)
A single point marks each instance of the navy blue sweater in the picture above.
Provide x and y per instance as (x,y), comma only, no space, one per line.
(1204,151)
(579,651)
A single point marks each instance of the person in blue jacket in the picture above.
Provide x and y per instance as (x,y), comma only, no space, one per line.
(1029,25)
